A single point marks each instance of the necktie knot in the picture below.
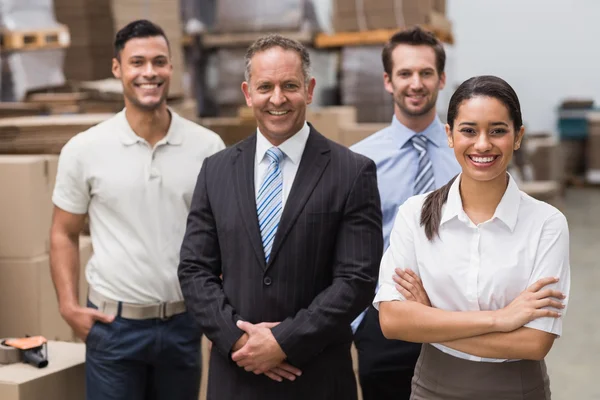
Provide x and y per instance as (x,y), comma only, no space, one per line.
(275,155)
(419,142)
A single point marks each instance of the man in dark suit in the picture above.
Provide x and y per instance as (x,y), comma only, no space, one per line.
(292,222)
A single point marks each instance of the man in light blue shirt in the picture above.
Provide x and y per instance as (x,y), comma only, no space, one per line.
(412,157)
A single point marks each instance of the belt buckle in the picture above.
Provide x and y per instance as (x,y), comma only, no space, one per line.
(162,312)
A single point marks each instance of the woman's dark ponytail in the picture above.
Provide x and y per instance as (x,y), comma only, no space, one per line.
(431,212)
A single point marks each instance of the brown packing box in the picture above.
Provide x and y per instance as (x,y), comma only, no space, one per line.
(543,153)
(573,157)
(547,191)
(440,6)
(62,379)
(328,120)
(26,204)
(29,300)
(43,134)
(380,14)
(592,155)
(92,33)
(231,129)
(354,133)
(186,108)
(593,158)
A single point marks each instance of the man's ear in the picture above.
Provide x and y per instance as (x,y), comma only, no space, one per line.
(116,68)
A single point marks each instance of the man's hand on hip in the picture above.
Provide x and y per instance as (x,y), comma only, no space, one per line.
(261,353)
(81,319)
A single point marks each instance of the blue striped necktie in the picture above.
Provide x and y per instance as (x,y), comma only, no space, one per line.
(424,182)
(269,201)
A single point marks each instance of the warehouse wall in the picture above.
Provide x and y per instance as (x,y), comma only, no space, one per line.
(546,49)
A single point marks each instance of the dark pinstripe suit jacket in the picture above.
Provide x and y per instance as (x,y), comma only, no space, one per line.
(322,271)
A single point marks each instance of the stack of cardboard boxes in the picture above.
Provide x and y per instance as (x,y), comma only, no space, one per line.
(593,149)
(541,169)
(362,84)
(361,15)
(27,296)
(91,25)
(43,134)
(28,304)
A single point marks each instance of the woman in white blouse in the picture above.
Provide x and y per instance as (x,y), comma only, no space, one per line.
(478,271)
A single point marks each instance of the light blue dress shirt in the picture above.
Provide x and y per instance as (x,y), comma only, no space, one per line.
(397,161)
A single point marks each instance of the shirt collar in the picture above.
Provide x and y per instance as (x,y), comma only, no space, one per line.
(434,132)
(506,211)
(128,137)
(293,147)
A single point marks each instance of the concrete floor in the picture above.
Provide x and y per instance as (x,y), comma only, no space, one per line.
(574,361)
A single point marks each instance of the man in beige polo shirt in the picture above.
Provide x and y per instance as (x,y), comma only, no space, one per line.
(134,174)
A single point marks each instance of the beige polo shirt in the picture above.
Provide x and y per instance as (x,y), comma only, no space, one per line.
(138,199)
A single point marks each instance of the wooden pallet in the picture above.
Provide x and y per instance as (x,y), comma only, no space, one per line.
(372,37)
(219,40)
(25,40)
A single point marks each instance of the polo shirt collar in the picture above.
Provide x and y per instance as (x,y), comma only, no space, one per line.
(128,137)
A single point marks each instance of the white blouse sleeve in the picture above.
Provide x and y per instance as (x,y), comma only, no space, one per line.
(399,254)
(552,259)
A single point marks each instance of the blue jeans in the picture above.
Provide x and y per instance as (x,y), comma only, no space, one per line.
(143,359)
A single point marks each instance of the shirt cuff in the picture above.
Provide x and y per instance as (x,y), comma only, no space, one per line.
(547,324)
(386,293)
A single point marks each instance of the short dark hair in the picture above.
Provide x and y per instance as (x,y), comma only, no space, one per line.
(275,40)
(141,28)
(485,86)
(415,36)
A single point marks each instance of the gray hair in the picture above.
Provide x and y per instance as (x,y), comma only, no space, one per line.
(274,40)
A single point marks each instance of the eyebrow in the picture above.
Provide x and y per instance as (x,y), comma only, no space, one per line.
(141,57)
(493,123)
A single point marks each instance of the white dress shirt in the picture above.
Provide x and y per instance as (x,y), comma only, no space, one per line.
(480,267)
(292,150)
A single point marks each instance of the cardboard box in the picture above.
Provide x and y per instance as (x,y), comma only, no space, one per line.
(354,133)
(29,300)
(43,134)
(62,379)
(593,158)
(231,129)
(573,157)
(328,120)
(543,153)
(440,6)
(26,204)
(380,14)
(547,191)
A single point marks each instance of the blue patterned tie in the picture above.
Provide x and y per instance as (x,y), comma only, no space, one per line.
(424,181)
(269,200)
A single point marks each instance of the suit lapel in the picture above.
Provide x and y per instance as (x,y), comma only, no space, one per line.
(314,160)
(245,194)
